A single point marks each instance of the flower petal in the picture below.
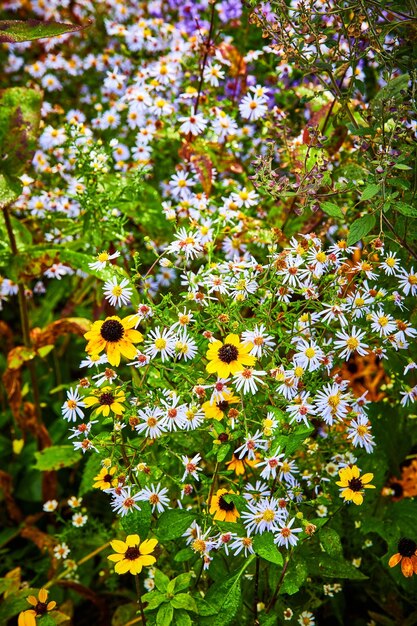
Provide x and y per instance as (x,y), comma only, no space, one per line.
(132,540)
(395,559)
(148,546)
(119,546)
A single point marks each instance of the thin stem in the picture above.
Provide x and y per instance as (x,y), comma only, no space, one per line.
(255,596)
(139,594)
(206,53)
(399,239)
(86,558)
(279,584)
(24,316)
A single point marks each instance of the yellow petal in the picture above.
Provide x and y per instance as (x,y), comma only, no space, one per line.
(233,339)
(357,497)
(113,354)
(51,605)
(119,546)
(136,566)
(355,471)
(32,600)
(147,560)
(132,540)
(148,546)
(366,478)
(123,566)
(116,557)
(43,595)
(27,618)
(395,559)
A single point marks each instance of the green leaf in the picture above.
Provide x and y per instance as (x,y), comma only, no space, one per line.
(369,192)
(184,601)
(91,469)
(56,457)
(161,580)
(15,603)
(226,597)
(181,582)
(138,522)
(331,209)
(184,555)
(327,566)
(172,524)
(10,190)
(360,228)
(164,615)
(294,578)
(331,543)
(265,547)
(182,619)
(20,114)
(154,599)
(15,31)
(402,166)
(406,209)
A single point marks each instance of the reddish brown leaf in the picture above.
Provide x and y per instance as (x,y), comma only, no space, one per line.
(6,485)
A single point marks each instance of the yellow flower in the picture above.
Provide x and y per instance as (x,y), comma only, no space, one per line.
(104,478)
(40,607)
(224,511)
(131,555)
(108,400)
(239,465)
(229,357)
(115,336)
(352,485)
(218,409)
(407,556)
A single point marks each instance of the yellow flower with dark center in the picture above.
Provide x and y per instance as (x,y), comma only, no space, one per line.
(239,465)
(407,556)
(108,399)
(40,608)
(105,478)
(228,357)
(352,484)
(132,555)
(217,410)
(222,510)
(115,336)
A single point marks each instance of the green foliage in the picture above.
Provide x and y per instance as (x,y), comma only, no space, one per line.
(56,457)
(15,31)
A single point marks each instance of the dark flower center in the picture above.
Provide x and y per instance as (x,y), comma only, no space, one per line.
(355,484)
(228,353)
(112,331)
(41,608)
(397,489)
(407,547)
(106,398)
(108,478)
(132,553)
(225,506)
(222,405)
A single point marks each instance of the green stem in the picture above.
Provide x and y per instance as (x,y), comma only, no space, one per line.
(138,592)
(24,316)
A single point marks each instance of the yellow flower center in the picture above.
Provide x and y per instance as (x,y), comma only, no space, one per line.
(102,257)
(310,353)
(199,545)
(160,343)
(334,401)
(412,279)
(362,430)
(117,291)
(71,404)
(352,343)
(268,515)
(152,421)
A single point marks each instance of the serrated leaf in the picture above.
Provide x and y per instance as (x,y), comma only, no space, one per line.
(56,457)
(265,547)
(164,615)
(161,581)
(226,597)
(173,523)
(405,209)
(331,209)
(138,522)
(20,114)
(184,601)
(181,582)
(369,192)
(154,599)
(360,228)
(10,190)
(294,578)
(15,31)
(182,619)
